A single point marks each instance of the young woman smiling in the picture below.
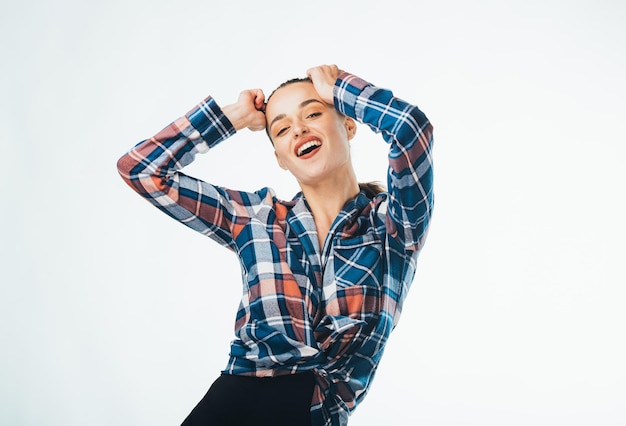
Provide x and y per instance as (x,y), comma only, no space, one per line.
(325,274)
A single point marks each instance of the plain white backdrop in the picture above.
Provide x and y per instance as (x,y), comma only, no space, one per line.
(113,314)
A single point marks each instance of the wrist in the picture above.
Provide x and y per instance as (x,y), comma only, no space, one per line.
(234,114)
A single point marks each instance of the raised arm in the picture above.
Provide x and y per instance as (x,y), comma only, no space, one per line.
(409,133)
(152,167)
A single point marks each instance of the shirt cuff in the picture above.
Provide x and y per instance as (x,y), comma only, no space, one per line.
(347,89)
(209,120)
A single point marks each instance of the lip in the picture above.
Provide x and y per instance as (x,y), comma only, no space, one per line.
(302,142)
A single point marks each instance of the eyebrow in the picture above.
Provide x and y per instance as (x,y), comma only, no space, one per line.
(302,105)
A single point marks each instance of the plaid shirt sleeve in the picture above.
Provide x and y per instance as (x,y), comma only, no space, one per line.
(151,168)
(409,133)
(331,312)
(404,217)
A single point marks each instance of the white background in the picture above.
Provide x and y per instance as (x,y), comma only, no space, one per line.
(113,314)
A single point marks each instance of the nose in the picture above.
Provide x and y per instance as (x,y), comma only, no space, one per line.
(300,128)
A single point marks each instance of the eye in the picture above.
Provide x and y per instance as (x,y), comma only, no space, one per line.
(282,131)
(314,114)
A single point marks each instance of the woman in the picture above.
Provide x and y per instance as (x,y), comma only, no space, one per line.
(326,273)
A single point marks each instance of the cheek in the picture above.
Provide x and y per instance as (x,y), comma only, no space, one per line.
(279,160)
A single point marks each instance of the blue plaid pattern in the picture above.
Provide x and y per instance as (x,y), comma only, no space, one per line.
(328,309)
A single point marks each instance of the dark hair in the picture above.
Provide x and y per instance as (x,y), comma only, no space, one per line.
(372,189)
(288,82)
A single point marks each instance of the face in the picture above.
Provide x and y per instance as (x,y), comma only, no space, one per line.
(311,139)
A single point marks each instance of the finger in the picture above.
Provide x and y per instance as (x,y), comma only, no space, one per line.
(323,73)
(333,72)
(314,72)
(259,100)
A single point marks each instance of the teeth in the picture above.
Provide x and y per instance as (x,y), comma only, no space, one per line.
(307,146)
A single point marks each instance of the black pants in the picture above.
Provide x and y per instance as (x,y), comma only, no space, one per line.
(256,401)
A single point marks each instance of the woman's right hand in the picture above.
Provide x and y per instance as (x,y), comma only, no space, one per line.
(248,111)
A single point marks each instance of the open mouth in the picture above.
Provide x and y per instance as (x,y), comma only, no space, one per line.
(308,147)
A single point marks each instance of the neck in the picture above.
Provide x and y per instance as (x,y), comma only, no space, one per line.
(327,198)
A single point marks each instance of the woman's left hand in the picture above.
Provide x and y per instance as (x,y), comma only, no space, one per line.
(323,78)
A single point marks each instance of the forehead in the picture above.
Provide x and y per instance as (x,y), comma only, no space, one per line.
(287,99)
